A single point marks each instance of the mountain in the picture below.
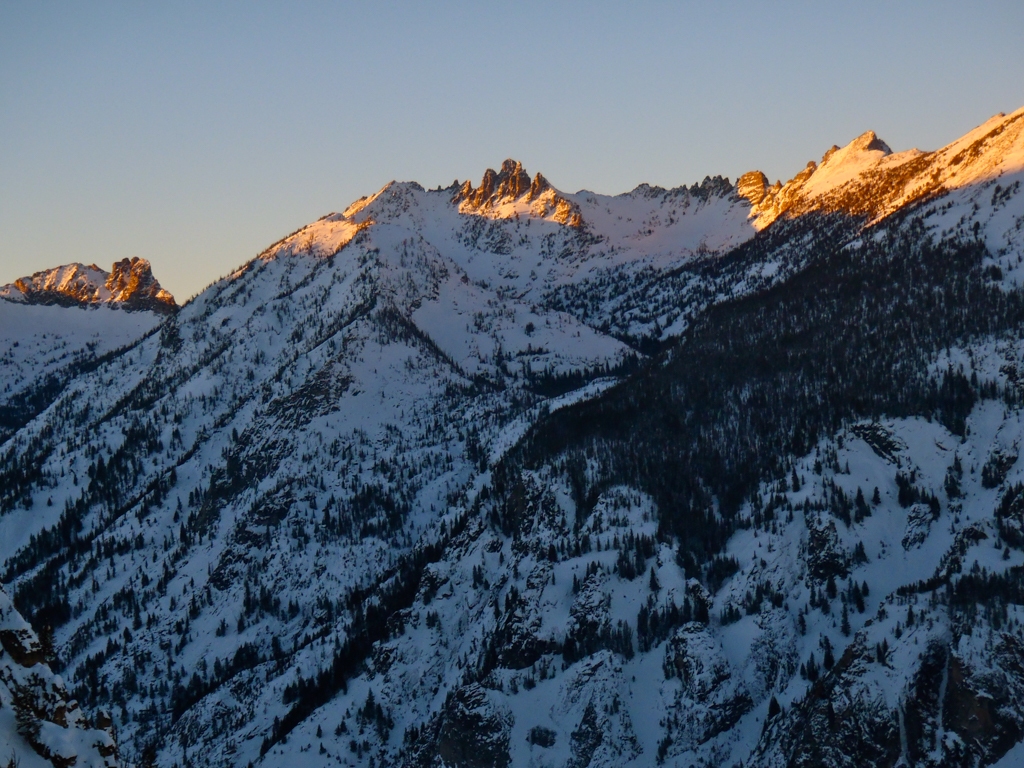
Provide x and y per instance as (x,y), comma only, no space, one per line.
(61,322)
(866,179)
(506,475)
(510,192)
(129,285)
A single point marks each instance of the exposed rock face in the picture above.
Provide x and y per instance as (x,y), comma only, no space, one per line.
(475,734)
(697,661)
(511,183)
(983,704)
(130,285)
(511,188)
(586,738)
(919,523)
(41,719)
(713,701)
(841,722)
(824,555)
(753,186)
(865,179)
(22,646)
(951,714)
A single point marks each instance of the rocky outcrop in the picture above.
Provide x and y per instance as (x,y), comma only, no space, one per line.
(512,188)
(130,284)
(952,712)
(42,720)
(713,701)
(753,186)
(825,557)
(840,723)
(586,738)
(983,701)
(510,183)
(474,734)
(866,180)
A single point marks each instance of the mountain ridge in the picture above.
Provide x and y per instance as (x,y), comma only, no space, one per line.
(873,182)
(130,285)
(445,479)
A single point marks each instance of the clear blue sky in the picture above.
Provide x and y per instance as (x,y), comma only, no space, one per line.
(195,134)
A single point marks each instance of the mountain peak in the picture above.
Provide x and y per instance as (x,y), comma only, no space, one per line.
(753,186)
(838,167)
(132,284)
(129,284)
(869,142)
(496,187)
(510,191)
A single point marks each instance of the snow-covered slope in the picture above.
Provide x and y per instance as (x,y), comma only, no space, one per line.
(508,241)
(865,178)
(663,670)
(42,340)
(39,724)
(392,493)
(321,389)
(60,322)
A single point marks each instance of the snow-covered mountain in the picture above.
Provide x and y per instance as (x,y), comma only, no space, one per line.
(865,177)
(505,475)
(61,322)
(129,285)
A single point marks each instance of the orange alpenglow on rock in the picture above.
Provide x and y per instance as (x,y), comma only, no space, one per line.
(510,192)
(130,285)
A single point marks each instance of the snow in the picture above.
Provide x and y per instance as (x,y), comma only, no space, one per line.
(1012,759)
(62,726)
(41,340)
(70,278)
(397,347)
(845,165)
(517,429)
(926,447)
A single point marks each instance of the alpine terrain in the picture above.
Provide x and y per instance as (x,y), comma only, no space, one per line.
(499,475)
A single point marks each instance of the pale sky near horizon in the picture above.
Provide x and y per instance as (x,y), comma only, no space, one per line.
(195,134)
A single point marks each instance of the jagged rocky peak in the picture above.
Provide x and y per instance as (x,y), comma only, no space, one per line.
(510,183)
(869,142)
(753,186)
(510,191)
(130,284)
(816,185)
(864,152)
(712,186)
